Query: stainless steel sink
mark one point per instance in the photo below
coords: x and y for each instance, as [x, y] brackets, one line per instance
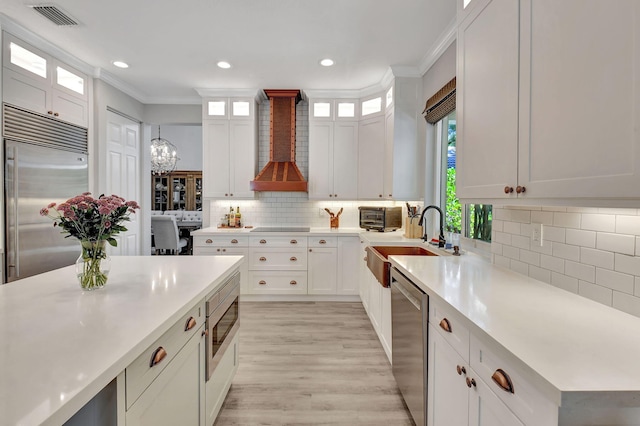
[378, 259]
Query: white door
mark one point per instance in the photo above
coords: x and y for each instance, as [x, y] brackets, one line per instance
[123, 176]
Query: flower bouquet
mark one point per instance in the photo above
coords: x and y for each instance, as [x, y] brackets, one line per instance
[93, 221]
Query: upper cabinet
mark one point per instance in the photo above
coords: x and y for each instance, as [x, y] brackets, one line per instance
[548, 108]
[229, 128]
[333, 149]
[39, 82]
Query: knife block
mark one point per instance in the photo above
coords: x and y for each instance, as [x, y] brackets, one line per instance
[411, 228]
[334, 222]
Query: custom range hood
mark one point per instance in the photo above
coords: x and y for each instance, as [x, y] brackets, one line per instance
[281, 172]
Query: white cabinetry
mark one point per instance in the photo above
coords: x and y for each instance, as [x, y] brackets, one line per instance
[277, 265]
[333, 150]
[371, 158]
[378, 307]
[348, 266]
[219, 383]
[322, 272]
[229, 147]
[225, 245]
[522, 124]
[38, 82]
[165, 385]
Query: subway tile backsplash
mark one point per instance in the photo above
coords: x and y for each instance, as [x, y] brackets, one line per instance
[592, 252]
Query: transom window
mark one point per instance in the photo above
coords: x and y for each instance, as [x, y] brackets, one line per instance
[69, 80]
[216, 108]
[371, 106]
[28, 60]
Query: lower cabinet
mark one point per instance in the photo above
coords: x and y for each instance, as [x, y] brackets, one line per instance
[175, 397]
[223, 245]
[378, 306]
[218, 385]
[322, 272]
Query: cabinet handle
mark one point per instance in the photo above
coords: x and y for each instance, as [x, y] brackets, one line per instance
[157, 356]
[50, 112]
[390, 195]
[230, 195]
[365, 259]
[335, 195]
[293, 282]
[508, 189]
[218, 250]
[293, 242]
[293, 258]
[520, 189]
[380, 195]
[503, 380]
[263, 259]
[263, 241]
[310, 250]
[224, 250]
[445, 325]
[205, 332]
[226, 195]
[209, 241]
[234, 241]
[262, 282]
[471, 382]
[55, 114]
[323, 242]
[191, 322]
[461, 370]
[330, 195]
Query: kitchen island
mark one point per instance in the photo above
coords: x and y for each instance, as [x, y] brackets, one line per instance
[568, 360]
[61, 346]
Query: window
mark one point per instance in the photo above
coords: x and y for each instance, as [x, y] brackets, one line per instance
[69, 80]
[346, 109]
[371, 106]
[389, 97]
[216, 108]
[241, 109]
[28, 60]
[322, 109]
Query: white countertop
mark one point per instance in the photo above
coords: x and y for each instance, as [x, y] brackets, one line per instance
[59, 345]
[312, 231]
[573, 344]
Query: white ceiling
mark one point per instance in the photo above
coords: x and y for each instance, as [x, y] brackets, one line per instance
[172, 47]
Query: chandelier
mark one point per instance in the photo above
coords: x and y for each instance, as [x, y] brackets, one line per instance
[164, 155]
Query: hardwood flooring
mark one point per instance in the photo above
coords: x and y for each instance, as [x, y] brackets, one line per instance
[311, 363]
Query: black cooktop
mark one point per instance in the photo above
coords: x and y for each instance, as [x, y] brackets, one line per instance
[281, 229]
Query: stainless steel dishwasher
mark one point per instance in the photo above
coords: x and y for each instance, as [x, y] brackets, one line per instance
[409, 316]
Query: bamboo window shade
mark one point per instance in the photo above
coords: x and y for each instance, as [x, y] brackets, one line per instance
[441, 104]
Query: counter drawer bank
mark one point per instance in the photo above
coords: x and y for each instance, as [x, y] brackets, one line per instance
[515, 351]
[319, 264]
[99, 345]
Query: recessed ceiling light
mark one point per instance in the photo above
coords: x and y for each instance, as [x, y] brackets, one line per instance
[224, 64]
[120, 64]
[326, 62]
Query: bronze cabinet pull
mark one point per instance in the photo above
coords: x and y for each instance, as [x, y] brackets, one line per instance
[262, 282]
[503, 380]
[508, 189]
[520, 189]
[263, 241]
[310, 250]
[218, 250]
[293, 282]
[191, 322]
[471, 382]
[208, 241]
[293, 258]
[157, 356]
[293, 241]
[263, 259]
[234, 241]
[461, 370]
[323, 242]
[224, 250]
[205, 332]
[445, 325]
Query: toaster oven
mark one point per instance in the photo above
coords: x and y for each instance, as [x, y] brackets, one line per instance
[381, 219]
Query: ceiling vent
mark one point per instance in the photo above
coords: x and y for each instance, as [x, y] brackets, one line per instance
[55, 15]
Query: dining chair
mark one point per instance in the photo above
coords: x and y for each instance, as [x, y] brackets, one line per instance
[165, 234]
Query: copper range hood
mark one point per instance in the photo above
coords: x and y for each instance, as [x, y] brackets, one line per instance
[281, 172]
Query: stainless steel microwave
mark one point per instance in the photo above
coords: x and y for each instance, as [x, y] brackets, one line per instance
[382, 219]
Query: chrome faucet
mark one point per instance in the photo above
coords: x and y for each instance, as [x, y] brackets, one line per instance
[441, 240]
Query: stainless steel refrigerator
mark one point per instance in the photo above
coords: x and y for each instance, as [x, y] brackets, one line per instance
[40, 170]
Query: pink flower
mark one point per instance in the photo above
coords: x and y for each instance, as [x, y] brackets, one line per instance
[51, 205]
[132, 205]
[107, 224]
[44, 212]
[104, 210]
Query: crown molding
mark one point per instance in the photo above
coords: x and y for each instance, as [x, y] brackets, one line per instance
[258, 94]
[447, 37]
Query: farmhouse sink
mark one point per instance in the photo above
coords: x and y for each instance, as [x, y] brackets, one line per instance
[378, 259]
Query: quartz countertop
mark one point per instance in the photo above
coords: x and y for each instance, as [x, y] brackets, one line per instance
[312, 231]
[60, 345]
[574, 345]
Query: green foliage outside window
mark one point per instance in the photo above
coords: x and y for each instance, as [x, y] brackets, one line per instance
[453, 212]
[480, 216]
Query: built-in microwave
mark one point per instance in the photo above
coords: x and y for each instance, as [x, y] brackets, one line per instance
[382, 219]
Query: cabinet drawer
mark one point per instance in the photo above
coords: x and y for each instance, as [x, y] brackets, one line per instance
[278, 282]
[221, 240]
[278, 259]
[141, 372]
[258, 241]
[323, 242]
[526, 401]
[446, 318]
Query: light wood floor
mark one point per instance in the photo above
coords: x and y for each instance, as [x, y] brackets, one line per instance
[311, 363]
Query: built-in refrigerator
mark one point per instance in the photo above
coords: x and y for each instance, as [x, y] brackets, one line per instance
[45, 161]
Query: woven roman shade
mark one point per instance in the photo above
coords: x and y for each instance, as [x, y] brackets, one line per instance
[441, 104]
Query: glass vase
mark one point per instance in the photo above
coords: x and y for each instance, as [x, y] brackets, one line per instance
[93, 265]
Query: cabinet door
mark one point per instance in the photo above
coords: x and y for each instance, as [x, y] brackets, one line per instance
[320, 164]
[487, 100]
[176, 396]
[32, 93]
[371, 158]
[385, 321]
[345, 160]
[216, 165]
[321, 271]
[242, 157]
[375, 301]
[485, 408]
[580, 98]
[348, 265]
[364, 276]
[69, 108]
[448, 394]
